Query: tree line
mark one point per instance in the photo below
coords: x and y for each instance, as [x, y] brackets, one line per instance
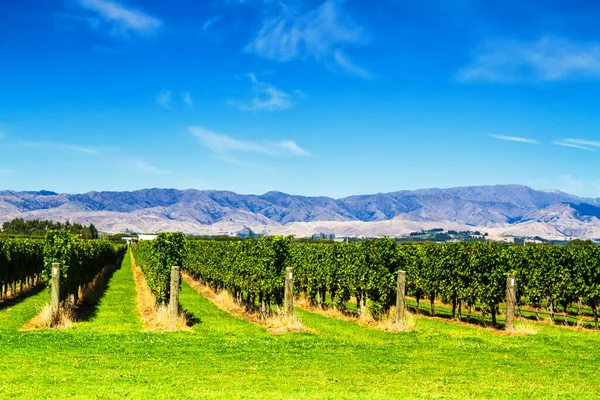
[38, 228]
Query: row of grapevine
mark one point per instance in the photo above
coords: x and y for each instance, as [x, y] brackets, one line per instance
[81, 260]
[558, 276]
[460, 274]
[251, 267]
[21, 262]
[156, 257]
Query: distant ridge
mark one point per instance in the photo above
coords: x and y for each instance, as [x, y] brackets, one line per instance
[499, 210]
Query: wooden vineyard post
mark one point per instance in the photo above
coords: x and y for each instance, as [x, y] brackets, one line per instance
[54, 292]
[400, 299]
[288, 306]
[174, 297]
[511, 300]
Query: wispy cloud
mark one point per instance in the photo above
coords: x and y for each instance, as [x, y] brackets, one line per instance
[346, 63]
[210, 22]
[167, 98]
[80, 149]
[320, 33]
[226, 148]
[515, 139]
[581, 144]
[59, 146]
[292, 147]
[266, 97]
[550, 58]
[123, 20]
[575, 146]
[187, 98]
[148, 169]
[163, 98]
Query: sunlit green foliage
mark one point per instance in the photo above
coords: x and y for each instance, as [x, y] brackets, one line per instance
[81, 260]
[156, 257]
[20, 260]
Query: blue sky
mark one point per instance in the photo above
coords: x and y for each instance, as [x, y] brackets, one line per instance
[316, 98]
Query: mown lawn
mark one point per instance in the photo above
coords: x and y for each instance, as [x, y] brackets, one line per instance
[107, 356]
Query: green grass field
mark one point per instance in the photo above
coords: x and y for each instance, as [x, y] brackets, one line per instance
[106, 355]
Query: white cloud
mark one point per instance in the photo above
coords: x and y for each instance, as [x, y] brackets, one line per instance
[292, 147]
[122, 19]
[348, 65]
[166, 98]
[550, 58]
[515, 139]
[266, 97]
[210, 22]
[187, 99]
[221, 143]
[80, 149]
[573, 145]
[581, 144]
[163, 98]
[320, 34]
[225, 147]
[146, 168]
[59, 146]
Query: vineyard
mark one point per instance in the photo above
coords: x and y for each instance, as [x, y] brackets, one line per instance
[110, 353]
[462, 275]
[77, 263]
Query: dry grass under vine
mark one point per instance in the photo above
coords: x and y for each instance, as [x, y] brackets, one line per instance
[386, 323]
[224, 300]
[67, 310]
[154, 316]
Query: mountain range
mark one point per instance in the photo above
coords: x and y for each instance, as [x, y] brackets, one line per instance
[500, 210]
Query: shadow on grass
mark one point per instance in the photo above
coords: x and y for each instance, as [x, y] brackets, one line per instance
[476, 318]
[6, 303]
[442, 312]
[486, 320]
[88, 308]
[191, 318]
